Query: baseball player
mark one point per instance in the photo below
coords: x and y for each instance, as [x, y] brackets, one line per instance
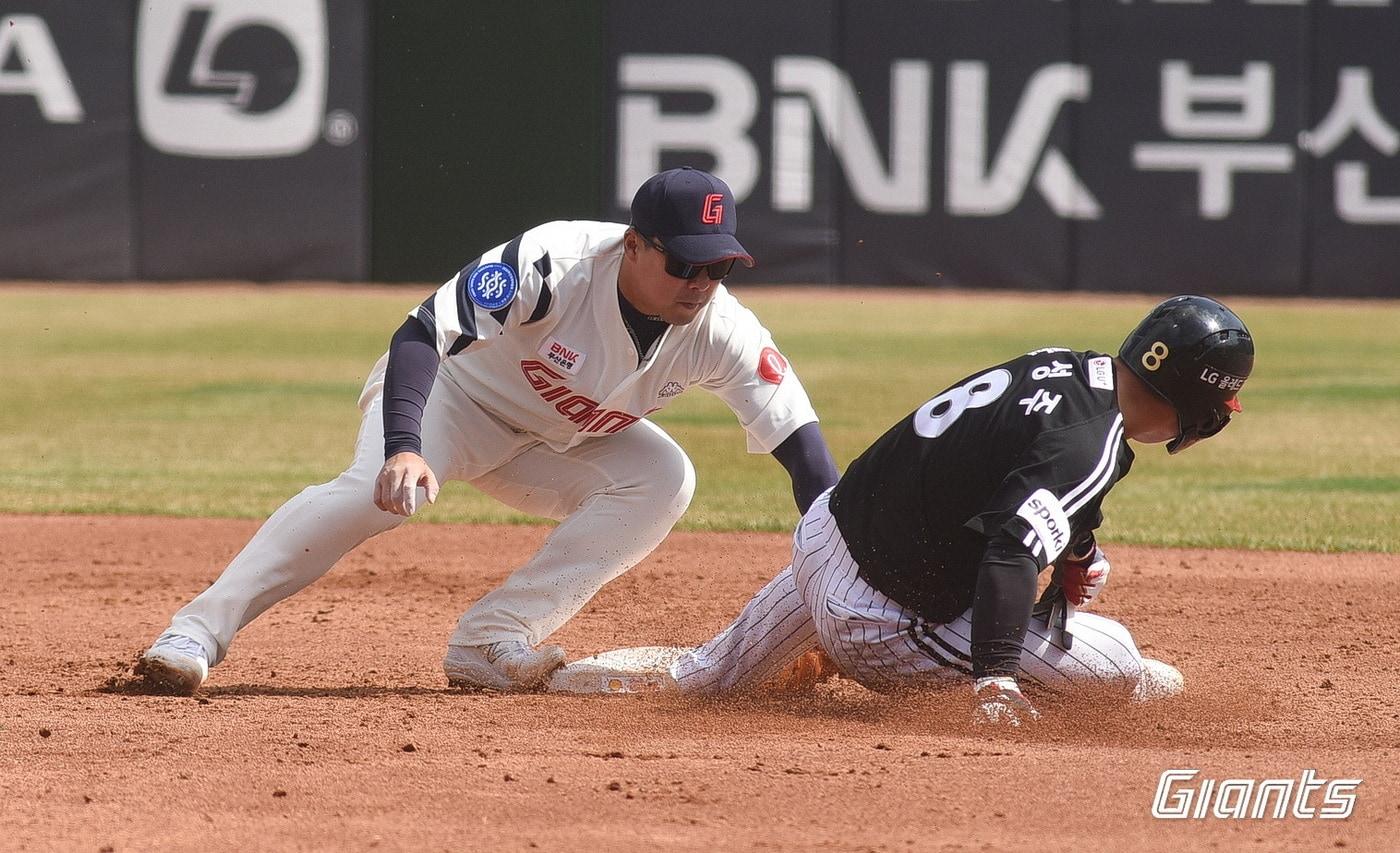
[530, 374]
[921, 564]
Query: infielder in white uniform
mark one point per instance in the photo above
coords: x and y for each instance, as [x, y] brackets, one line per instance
[530, 374]
[920, 566]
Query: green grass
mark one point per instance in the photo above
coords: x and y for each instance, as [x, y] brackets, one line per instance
[224, 402]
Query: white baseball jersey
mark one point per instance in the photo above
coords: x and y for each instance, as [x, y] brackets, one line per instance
[533, 332]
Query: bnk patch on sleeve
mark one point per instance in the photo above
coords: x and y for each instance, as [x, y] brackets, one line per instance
[1043, 512]
[492, 286]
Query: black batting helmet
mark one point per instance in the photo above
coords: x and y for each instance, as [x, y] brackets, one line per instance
[1196, 354]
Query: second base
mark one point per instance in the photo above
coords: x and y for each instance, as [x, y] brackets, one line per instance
[641, 669]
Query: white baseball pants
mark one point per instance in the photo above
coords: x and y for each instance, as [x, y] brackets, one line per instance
[821, 600]
[616, 497]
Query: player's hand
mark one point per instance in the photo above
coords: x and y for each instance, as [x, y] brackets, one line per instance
[806, 672]
[396, 487]
[1000, 702]
[1083, 579]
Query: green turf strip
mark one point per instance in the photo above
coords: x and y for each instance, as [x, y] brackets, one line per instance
[224, 402]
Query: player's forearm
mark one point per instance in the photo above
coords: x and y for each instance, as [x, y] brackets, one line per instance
[1002, 608]
[408, 380]
[808, 461]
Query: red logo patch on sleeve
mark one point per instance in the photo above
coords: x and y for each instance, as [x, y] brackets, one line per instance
[772, 366]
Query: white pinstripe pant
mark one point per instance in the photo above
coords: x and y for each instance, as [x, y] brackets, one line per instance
[820, 599]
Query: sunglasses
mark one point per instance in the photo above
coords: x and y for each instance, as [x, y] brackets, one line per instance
[678, 268]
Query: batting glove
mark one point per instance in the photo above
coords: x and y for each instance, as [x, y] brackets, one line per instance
[1000, 702]
[1082, 578]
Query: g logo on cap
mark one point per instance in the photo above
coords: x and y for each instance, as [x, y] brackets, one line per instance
[713, 213]
[692, 214]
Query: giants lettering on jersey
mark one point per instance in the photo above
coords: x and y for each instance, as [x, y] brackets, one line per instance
[576, 407]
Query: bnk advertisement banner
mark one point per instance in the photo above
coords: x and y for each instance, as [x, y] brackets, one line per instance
[1156, 146]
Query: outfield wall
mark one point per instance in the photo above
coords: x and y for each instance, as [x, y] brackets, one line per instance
[1227, 146]
[175, 139]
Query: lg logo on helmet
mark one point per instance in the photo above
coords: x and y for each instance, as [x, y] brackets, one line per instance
[1223, 381]
[234, 79]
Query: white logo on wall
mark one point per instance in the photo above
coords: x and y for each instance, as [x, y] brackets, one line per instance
[810, 93]
[1217, 126]
[238, 78]
[30, 64]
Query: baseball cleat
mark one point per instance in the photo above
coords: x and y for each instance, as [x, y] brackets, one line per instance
[509, 666]
[174, 664]
[1158, 681]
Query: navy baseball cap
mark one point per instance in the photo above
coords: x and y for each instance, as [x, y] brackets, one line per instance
[692, 213]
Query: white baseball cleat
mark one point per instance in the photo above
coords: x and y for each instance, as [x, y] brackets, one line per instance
[1158, 681]
[509, 666]
[174, 664]
[641, 669]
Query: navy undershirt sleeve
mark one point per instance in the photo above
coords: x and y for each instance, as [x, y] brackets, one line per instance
[408, 379]
[1001, 609]
[808, 461]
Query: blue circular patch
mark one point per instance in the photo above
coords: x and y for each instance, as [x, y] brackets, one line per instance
[492, 285]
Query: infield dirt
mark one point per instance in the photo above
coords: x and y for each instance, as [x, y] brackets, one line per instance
[330, 726]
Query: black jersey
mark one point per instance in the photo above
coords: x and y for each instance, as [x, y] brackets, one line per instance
[1027, 448]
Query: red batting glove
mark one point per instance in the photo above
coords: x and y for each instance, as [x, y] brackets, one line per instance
[1082, 579]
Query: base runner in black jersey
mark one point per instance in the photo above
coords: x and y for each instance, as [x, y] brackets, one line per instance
[920, 565]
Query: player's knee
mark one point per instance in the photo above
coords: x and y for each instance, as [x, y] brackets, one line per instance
[670, 485]
[1115, 658]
